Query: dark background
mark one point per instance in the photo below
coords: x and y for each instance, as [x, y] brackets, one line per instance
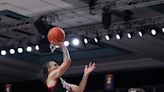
[122, 80]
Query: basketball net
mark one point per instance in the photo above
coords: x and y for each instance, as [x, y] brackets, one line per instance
[52, 47]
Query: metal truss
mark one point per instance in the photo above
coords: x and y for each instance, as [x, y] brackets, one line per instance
[131, 25]
[114, 5]
[130, 4]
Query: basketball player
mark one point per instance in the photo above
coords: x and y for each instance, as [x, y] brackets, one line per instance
[53, 72]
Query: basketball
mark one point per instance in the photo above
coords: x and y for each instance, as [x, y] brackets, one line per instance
[56, 34]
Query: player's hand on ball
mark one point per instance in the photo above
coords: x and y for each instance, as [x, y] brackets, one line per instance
[60, 44]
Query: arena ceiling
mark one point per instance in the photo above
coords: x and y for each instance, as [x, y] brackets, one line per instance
[17, 20]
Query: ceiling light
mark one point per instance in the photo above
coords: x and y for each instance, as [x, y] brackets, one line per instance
[140, 33]
[20, 50]
[66, 43]
[118, 36]
[162, 30]
[12, 51]
[107, 37]
[85, 40]
[153, 32]
[29, 49]
[96, 40]
[129, 35]
[75, 41]
[3, 52]
[37, 47]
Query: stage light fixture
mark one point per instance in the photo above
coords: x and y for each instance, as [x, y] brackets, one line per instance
[29, 49]
[153, 32]
[118, 36]
[85, 40]
[12, 51]
[37, 47]
[66, 43]
[75, 42]
[107, 37]
[162, 30]
[20, 50]
[129, 35]
[96, 40]
[3, 52]
[140, 33]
